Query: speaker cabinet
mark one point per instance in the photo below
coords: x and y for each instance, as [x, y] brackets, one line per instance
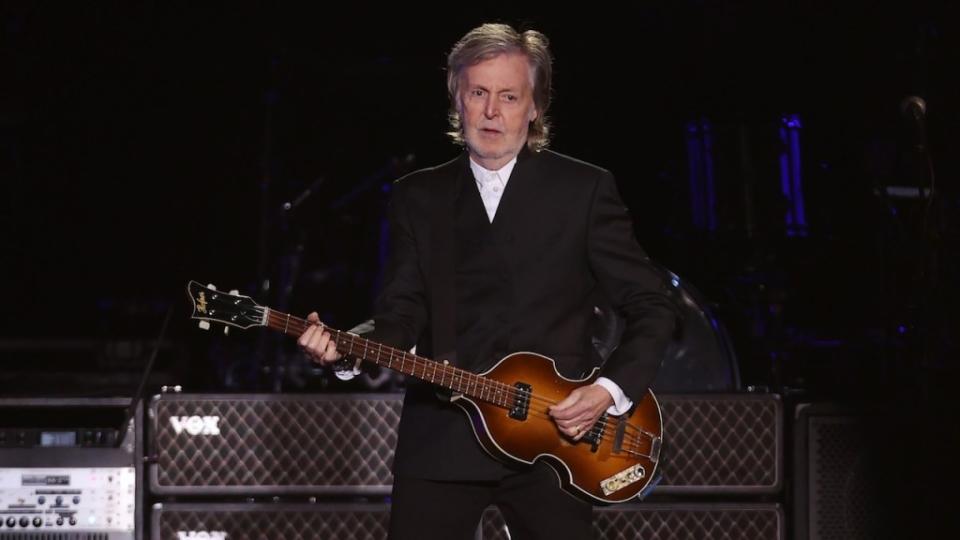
[240, 445]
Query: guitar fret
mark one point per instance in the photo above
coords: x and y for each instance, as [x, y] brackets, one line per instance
[286, 324]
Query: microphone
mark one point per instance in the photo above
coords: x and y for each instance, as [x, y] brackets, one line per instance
[914, 109]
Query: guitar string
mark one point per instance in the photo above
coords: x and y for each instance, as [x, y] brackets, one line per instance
[490, 385]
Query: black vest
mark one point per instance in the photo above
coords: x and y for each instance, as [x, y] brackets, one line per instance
[484, 300]
[483, 285]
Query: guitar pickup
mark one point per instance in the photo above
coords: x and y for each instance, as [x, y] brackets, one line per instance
[595, 435]
[521, 401]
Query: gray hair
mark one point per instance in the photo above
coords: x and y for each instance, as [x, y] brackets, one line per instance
[489, 41]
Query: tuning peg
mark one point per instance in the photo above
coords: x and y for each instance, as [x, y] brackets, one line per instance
[234, 292]
[211, 286]
[226, 330]
[205, 325]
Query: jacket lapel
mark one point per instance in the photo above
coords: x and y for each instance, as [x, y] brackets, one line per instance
[519, 197]
[443, 260]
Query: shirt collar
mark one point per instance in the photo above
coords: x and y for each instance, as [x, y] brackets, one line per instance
[483, 175]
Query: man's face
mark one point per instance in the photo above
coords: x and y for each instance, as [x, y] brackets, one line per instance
[496, 108]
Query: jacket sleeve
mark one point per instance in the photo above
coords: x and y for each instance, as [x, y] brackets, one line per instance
[400, 313]
[636, 290]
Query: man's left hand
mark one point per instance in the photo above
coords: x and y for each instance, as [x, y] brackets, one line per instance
[577, 414]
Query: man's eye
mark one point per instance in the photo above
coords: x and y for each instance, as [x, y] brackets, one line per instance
[477, 93]
[510, 97]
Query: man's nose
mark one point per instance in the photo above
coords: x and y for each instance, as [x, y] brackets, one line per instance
[492, 108]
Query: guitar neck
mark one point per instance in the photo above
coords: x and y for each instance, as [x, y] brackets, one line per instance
[443, 375]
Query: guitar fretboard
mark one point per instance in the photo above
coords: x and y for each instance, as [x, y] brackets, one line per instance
[444, 375]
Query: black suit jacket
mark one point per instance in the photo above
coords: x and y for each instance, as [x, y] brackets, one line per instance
[568, 242]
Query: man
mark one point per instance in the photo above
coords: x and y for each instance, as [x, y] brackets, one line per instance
[506, 248]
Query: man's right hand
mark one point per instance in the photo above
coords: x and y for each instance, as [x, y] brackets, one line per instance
[316, 342]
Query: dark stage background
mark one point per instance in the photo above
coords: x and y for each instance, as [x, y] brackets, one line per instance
[143, 145]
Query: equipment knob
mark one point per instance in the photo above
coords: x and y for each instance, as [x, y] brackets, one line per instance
[60, 520]
[37, 522]
[41, 500]
[73, 520]
[58, 500]
[11, 522]
[76, 499]
[24, 522]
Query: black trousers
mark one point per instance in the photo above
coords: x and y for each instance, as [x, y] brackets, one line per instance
[531, 502]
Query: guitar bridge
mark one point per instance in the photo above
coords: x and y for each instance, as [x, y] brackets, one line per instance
[521, 403]
[618, 435]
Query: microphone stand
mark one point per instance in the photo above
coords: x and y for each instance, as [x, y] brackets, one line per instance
[289, 269]
[926, 272]
[135, 399]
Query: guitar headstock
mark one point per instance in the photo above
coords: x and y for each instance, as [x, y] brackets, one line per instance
[211, 305]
